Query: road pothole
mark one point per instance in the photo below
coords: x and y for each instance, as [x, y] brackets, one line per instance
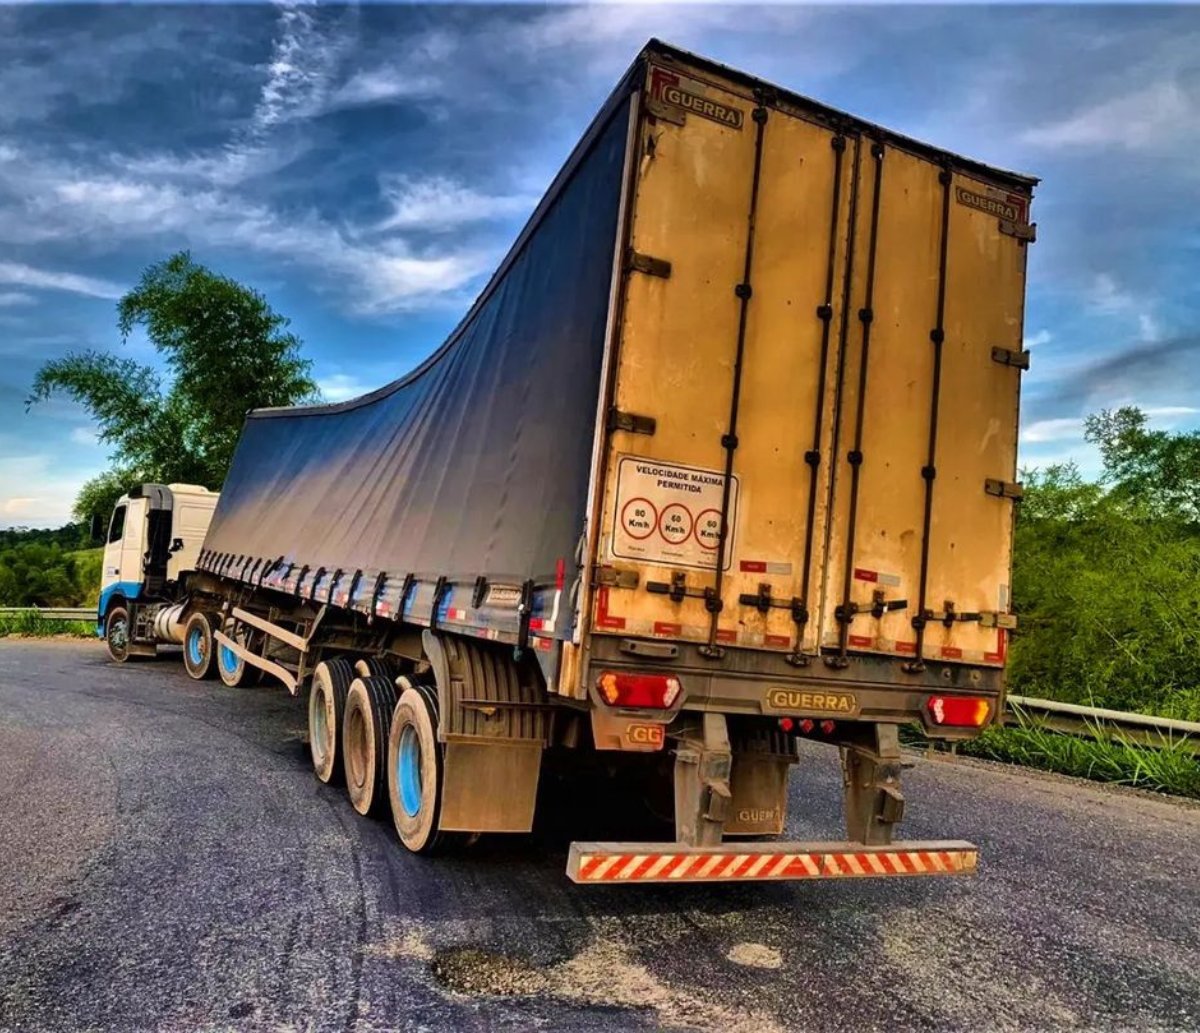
[755, 955]
[469, 970]
[603, 974]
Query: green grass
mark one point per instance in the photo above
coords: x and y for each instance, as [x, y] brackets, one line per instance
[33, 625]
[1107, 755]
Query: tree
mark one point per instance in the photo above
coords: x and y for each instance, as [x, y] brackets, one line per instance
[225, 351]
[1156, 469]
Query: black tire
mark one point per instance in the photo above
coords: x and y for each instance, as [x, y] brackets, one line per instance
[365, 728]
[373, 667]
[414, 733]
[199, 657]
[116, 634]
[326, 705]
[233, 669]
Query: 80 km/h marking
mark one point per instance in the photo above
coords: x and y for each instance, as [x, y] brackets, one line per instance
[639, 518]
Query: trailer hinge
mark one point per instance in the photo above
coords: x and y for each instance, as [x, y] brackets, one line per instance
[1026, 232]
[677, 589]
[649, 265]
[612, 577]
[632, 422]
[1019, 359]
[1003, 489]
[996, 619]
[880, 604]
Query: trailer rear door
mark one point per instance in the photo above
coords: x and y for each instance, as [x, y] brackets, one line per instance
[927, 427]
[738, 251]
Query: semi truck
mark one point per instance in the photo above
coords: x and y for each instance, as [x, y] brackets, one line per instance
[722, 459]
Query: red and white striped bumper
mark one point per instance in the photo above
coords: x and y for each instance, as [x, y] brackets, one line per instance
[729, 862]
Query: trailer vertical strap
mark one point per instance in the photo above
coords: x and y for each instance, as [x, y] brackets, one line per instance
[929, 471]
[813, 456]
[743, 291]
[845, 612]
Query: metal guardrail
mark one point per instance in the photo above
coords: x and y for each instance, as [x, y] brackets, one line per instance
[1074, 719]
[52, 613]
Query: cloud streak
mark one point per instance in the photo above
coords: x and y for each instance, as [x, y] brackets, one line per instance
[20, 275]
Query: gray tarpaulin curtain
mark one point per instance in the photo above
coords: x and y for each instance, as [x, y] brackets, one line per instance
[477, 462]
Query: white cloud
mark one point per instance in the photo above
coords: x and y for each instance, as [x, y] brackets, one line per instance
[439, 203]
[379, 85]
[1145, 118]
[1038, 339]
[381, 269]
[10, 299]
[1166, 417]
[36, 490]
[1169, 416]
[1053, 430]
[1148, 328]
[84, 436]
[1104, 296]
[337, 387]
[303, 62]
[49, 279]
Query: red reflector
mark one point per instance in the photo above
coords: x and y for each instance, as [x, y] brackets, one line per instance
[806, 725]
[786, 723]
[655, 691]
[959, 711]
[827, 727]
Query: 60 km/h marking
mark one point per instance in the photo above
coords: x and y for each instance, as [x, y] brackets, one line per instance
[708, 529]
[640, 518]
[675, 524]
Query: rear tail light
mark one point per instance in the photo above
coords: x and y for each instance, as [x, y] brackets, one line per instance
[958, 711]
[652, 691]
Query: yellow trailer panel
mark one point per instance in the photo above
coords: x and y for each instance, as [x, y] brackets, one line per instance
[813, 406]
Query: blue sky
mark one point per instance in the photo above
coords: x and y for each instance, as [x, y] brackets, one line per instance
[367, 167]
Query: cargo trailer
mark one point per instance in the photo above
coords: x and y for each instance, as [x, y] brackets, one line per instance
[722, 458]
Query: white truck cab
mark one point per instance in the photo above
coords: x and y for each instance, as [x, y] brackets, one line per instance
[152, 546]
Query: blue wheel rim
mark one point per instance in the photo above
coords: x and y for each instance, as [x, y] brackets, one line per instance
[193, 647]
[408, 771]
[228, 659]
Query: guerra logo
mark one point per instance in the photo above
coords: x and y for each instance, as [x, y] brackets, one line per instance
[669, 88]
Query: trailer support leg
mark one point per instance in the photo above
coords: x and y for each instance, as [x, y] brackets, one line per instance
[703, 763]
[871, 781]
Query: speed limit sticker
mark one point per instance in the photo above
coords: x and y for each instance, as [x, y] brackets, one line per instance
[670, 514]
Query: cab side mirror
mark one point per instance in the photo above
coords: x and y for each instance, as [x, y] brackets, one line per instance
[96, 530]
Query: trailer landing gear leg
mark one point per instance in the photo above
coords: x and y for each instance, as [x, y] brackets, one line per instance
[871, 780]
[702, 794]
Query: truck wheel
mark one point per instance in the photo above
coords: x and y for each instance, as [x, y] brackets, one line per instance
[326, 705]
[373, 667]
[234, 671]
[414, 770]
[198, 646]
[116, 634]
[365, 728]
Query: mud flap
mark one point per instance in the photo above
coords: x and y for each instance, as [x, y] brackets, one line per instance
[703, 764]
[871, 780]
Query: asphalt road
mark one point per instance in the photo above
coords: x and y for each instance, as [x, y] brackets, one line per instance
[168, 861]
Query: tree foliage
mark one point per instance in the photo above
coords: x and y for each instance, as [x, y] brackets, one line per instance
[1106, 580]
[224, 351]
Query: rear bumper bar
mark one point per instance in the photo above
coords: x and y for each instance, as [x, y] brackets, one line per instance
[765, 862]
